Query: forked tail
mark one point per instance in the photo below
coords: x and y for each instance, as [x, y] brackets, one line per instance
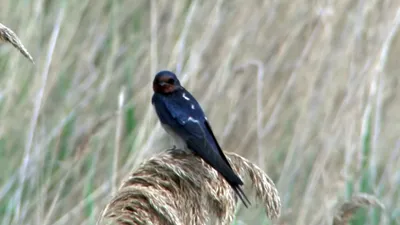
[241, 195]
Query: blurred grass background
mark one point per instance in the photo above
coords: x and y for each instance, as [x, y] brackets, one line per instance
[308, 90]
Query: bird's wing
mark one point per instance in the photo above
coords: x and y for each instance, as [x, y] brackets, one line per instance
[201, 146]
[162, 111]
[197, 133]
[212, 136]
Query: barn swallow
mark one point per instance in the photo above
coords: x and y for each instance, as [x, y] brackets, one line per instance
[182, 117]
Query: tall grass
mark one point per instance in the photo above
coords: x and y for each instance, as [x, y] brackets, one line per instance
[306, 90]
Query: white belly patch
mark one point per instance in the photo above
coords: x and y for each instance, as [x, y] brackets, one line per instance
[177, 140]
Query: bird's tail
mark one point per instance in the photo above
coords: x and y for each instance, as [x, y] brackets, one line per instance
[242, 196]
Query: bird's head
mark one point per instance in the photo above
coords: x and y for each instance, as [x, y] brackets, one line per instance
[166, 82]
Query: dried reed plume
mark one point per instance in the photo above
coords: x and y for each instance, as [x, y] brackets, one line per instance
[176, 187]
[348, 208]
[7, 35]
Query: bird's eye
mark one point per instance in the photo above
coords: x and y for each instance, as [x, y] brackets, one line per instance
[170, 81]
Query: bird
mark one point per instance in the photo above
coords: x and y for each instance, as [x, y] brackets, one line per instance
[182, 117]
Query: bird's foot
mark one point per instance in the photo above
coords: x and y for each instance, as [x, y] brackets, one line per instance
[174, 147]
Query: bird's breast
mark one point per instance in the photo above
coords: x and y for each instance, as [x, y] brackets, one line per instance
[179, 142]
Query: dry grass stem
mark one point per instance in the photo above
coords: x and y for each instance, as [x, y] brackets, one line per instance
[118, 137]
[82, 142]
[285, 84]
[176, 187]
[347, 209]
[8, 36]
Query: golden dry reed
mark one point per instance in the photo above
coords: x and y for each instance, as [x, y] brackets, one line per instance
[176, 187]
[8, 36]
[347, 209]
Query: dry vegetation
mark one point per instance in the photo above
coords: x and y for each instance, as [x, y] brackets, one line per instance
[176, 187]
[8, 36]
[349, 208]
[307, 90]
